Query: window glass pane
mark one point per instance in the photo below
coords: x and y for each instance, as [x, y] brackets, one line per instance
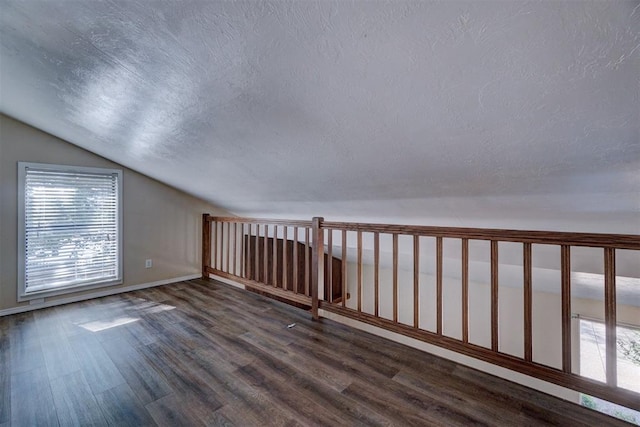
[71, 227]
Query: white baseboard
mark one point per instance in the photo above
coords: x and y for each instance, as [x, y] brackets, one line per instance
[227, 281]
[98, 294]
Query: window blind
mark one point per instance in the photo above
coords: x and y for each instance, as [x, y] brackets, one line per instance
[71, 228]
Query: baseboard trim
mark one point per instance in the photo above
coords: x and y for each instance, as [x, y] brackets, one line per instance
[227, 281]
[98, 294]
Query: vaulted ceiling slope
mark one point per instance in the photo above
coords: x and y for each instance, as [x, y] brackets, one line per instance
[507, 114]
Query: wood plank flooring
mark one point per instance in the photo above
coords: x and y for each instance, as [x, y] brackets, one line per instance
[205, 353]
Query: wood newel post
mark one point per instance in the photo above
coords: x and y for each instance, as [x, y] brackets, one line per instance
[206, 245]
[317, 263]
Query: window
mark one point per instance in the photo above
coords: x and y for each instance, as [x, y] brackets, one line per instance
[70, 228]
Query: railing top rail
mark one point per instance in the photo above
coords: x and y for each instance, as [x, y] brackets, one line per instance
[284, 222]
[600, 240]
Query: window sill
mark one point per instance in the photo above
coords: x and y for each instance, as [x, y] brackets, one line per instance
[51, 292]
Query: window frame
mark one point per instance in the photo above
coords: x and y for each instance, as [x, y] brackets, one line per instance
[23, 295]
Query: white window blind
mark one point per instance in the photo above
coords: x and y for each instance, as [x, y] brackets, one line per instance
[71, 233]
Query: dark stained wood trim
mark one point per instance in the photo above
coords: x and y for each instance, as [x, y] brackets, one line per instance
[235, 249]
[494, 295]
[307, 267]
[295, 260]
[206, 244]
[329, 280]
[572, 381]
[291, 223]
[287, 295]
[229, 247]
[416, 281]
[274, 259]
[395, 277]
[439, 285]
[256, 273]
[465, 290]
[214, 244]
[222, 241]
[610, 316]
[620, 241]
[565, 272]
[528, 302]
[376, 272]
[285, 270]
[317, 263]
[265, 255]
[344, 268]
[359, 271]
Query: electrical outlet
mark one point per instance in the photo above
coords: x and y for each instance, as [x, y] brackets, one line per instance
[148, 263]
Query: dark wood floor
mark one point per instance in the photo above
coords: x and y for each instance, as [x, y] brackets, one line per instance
[204, 353]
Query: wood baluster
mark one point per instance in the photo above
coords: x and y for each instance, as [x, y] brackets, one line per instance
[295, 283]
[206, 245]
[307, 277]
[317, 264]
[416, 281]
[328, 293]
[395, 278]
[274, 257]
[376, 272]
[439, 285]
[528, 302]
[565, 271]
[228, 270]
[265, 256]
[285, 271]
[344, 268]
[465, 290]
[494, 295]
[359, 270]
[610, 319]
[257, 254]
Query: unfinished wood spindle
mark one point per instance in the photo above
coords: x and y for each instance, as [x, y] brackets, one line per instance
[295, 260]
[439, 285]
[359, 270]
[416, 281]
[610, 316]
[344, 268]
[329, 280]
[285, 284]
[274, 257]
[395, 277]
[465, 290]
[376, 272]
[494, 295]
[565, 272]
[528, 302]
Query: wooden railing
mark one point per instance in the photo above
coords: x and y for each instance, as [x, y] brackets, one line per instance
[225, 254]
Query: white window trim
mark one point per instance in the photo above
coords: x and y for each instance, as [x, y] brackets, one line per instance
[23, 295]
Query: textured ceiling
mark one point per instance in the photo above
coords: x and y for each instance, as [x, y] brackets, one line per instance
[506, 114]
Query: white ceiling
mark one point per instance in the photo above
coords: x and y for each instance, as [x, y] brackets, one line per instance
[498, 114]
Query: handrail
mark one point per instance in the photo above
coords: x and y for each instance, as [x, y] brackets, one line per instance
[618, 241]
[232, 236]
